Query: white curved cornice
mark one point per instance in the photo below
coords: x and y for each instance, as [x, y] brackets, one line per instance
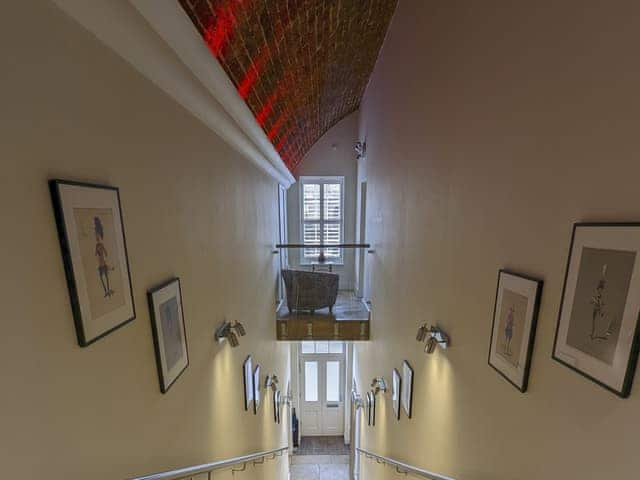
[157, 38]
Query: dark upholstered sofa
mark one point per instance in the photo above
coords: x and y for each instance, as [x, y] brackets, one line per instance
[310, 291]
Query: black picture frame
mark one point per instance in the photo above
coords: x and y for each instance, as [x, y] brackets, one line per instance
[77, 288]
[257, 390]
[247, 382]
[372, 418]
[518, 376]
[632, 358]
[406, 367]
[396, 392]
[166, 379]
[276, 406]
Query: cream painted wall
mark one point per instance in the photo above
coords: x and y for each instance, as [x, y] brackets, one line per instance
[491, 128]
[192, 207]
[325, 160]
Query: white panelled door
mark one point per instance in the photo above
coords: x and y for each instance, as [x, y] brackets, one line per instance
[322, 371]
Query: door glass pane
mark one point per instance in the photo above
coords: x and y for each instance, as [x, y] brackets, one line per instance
[336, 347]
[333, 381]
[310, 381]
[322, 347]
[308, 347]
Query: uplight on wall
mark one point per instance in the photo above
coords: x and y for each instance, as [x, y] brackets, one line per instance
[230, 331]
[378, 384]
[434, 337]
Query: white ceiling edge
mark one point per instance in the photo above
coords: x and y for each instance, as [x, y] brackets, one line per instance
[120, 26]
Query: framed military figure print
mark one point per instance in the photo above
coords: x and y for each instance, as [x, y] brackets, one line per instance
[94, 253]
[514, 327]
[597, 331]
[169, 334]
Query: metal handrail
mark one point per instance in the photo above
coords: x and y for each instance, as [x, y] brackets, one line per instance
[187, 472]
[401, 467]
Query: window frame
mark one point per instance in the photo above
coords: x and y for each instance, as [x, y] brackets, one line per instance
[321, 180]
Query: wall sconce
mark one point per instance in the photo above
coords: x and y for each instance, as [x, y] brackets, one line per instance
[272, 382]
[361, 149]
[434, 337]
[378, 384]
[230, 331]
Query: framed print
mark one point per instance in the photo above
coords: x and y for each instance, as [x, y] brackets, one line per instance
[94, 253]
[247, 377]
[513, 330]
[396, 383]
[597, 331]
[368, 405]
[169, 335]
[256, 389]
[407, 388]
[276, 406]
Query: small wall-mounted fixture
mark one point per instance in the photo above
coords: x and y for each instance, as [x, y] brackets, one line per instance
[272, 382]
[361, 149]
[230, 331]
[434, 337]
[378, 384]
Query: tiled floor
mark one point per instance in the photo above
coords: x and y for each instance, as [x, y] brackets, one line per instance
[322, 446]
[320, 467]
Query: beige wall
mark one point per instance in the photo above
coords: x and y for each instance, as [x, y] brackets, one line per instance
[491, 128]
[192, 207]
[332, 155]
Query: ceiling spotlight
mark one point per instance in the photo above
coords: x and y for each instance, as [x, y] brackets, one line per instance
[225, 331]
[378, 384]
[434, 337]
[239, 328]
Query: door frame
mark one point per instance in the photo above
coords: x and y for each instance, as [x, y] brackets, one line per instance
[322, 359]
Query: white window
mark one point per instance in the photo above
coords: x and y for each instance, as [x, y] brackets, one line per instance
[322, 346]
[322, 218]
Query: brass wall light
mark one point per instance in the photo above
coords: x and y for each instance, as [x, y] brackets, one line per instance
[272, 382]
[378, 384]
[231, 332]
[434, 336]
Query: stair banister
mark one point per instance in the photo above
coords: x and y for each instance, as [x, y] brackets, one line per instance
[208, 468]
[401, 467]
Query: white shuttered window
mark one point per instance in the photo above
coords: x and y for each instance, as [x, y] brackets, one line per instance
[322, 206]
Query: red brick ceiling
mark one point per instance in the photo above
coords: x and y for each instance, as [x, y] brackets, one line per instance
[301, 65]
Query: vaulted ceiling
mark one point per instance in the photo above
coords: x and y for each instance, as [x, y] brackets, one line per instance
[300, 65]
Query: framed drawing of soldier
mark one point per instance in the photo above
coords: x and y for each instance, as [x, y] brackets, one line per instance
[513, 329]
[247, 381]
[169, 335]
[597, 330]
[94, 253]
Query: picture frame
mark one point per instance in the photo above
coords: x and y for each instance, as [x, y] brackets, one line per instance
[256, 389]
[371, 408]
[276, 406]
[368, 407]
[597, 329]
[407, 388]
[513, 329]
[92, 241]
[247, 377]
[396, 385]
[169, 332]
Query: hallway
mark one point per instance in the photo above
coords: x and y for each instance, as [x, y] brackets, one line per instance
[320, 467]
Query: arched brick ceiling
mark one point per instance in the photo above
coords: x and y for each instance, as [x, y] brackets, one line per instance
[301, 65]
